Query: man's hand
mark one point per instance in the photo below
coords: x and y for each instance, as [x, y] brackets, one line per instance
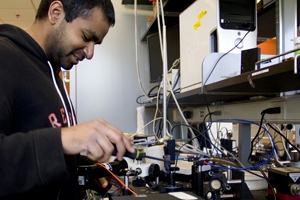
[111, 181]
[96, 138]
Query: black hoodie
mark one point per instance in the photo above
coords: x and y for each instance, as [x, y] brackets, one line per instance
[32, 162]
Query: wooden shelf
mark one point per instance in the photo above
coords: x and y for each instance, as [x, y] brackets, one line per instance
[274, 79]
[269, 83]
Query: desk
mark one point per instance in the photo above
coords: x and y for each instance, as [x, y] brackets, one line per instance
[156, 196]
[257, 195]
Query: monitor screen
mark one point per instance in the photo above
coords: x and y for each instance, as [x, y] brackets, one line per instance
[155, 58]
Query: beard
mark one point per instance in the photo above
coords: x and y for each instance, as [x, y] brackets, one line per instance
[56, 47]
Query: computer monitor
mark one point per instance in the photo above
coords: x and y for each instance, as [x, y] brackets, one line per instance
[155, 58]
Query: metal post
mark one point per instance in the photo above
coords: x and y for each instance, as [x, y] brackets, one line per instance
[286, 25]
[244, 143]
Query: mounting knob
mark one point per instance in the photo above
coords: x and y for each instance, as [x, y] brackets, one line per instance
[154, 170]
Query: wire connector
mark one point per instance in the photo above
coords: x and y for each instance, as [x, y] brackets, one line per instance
[275, 110]
[217, 112]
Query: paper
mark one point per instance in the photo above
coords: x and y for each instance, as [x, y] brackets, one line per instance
[182, 195]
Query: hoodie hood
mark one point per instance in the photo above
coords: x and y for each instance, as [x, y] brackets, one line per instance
[24, 41]
[31, 77]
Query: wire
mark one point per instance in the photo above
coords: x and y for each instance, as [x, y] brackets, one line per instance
[187, 148]
[157, 111]
[159, 28]
[282, 142]
[113, 175]
[199, 133]
[175, 63]
[136, 51]
[251, 122]
[268, 181]
[222, 148]
[147, 125]
[257, 135]
[195, 142]
[203, 85]
[225, 55]
[107, 190]
[284, 137]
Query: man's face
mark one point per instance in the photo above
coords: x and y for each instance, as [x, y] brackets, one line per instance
[72, 42]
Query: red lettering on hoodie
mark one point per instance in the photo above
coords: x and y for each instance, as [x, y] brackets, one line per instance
[54, 121]
[62, 111]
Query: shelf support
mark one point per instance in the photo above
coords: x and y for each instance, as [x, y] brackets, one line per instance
[244, 143]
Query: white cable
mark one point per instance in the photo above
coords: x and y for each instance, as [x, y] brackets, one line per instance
[162, 13]
[165, 71]
[195, 142]
[283, 143]
[136, 52]
[159, 29]
[175, 63]
[163, 46]
[147, 125]
[187, 148]
[165, 77]
[165, 80]
[59, 93]
[156, 110]
[273, 144]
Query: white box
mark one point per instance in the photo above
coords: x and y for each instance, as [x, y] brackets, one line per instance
[197, 24]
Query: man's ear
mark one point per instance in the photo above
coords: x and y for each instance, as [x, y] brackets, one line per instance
[55, 12]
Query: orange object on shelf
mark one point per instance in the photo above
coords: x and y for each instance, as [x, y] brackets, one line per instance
[268, 47]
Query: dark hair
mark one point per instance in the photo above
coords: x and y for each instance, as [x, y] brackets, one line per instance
[78, 8]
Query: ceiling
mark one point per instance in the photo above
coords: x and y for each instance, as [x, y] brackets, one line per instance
[22, 13]
[18, 12]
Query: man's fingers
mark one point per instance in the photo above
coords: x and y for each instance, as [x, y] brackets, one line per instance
[97, 138]
[128, 145]
[103, 182]
[122, 144]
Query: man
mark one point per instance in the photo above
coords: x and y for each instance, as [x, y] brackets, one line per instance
[40, 143]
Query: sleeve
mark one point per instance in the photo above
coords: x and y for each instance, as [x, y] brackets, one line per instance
[28, 158]
[23, 162]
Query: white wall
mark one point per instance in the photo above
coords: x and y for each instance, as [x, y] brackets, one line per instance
[107, 86]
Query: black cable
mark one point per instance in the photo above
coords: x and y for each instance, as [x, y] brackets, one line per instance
[153, 158]
[288, 141]
[199, 133]
[152, 95]
[223, 56]
[267, 179]
[203, 85]
[141, 103]
[259, 138]
[209, 113]
[257, 134]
